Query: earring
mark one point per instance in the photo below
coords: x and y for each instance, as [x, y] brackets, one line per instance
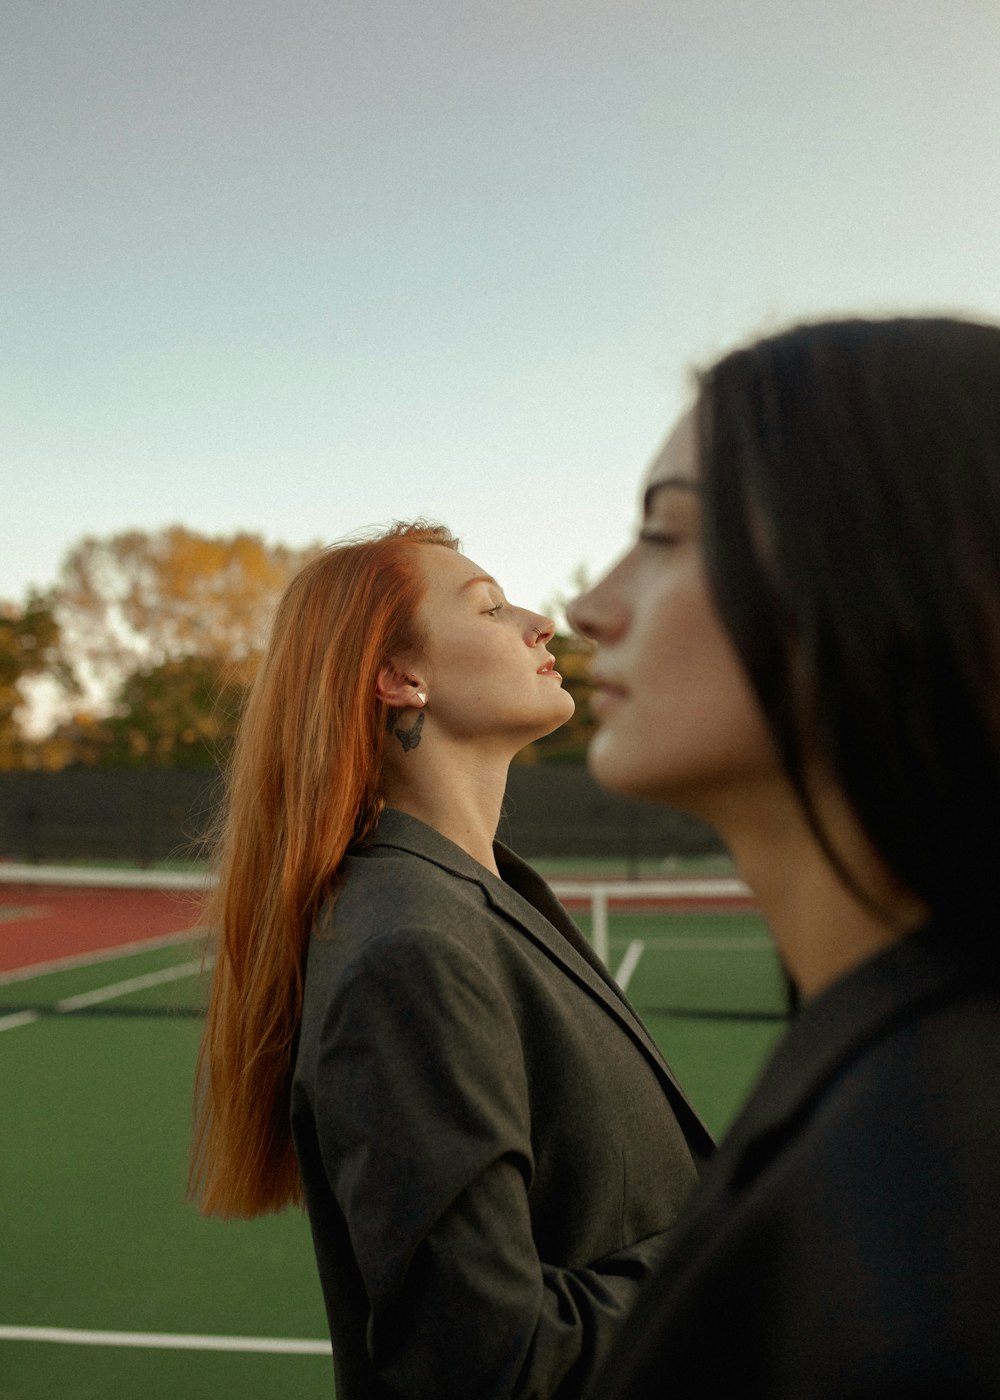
[422, 696]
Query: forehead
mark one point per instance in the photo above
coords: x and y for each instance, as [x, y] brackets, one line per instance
[447, 572]
[677, 459]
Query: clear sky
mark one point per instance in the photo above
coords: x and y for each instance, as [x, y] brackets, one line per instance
[305, 266]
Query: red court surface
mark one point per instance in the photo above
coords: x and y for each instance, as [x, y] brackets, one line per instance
[41, 923]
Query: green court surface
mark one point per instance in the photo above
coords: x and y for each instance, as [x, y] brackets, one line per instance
[96, 1233]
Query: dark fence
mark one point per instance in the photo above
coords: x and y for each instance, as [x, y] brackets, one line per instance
[158, 814]
[106, 814]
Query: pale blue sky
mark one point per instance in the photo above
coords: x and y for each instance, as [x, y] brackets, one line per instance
[303, 267]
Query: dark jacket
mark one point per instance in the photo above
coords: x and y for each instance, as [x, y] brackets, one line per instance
[492, 1147]
[845, 1241]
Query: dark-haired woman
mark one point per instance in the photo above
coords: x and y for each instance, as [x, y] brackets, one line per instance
[803, 648]
[405, 1030]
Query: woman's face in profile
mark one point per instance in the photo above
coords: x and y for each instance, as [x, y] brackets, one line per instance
[487, 671]
[678, 721]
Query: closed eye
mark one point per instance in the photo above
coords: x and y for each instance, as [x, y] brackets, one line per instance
[492, 612]
[658, 537]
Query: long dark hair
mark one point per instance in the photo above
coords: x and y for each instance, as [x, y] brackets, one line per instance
[851, 474]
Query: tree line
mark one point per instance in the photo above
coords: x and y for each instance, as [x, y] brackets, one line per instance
[141, 654]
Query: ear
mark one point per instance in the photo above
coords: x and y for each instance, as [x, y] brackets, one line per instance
[400, 687]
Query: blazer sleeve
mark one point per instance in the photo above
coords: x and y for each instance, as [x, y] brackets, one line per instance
[422, 1110]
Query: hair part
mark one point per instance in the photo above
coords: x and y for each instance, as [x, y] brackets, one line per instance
[851, 476]
[304, 784]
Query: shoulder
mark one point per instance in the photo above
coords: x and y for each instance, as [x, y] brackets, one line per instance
[897, 1059]
[871, 1203]
[401, 927]
[400, 974]
[391, 890]
[879, 1126]
[885, 1177]
[930, 1076]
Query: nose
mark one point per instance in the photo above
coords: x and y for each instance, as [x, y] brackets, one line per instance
[539, 629]
[579, 615]
[593, 615]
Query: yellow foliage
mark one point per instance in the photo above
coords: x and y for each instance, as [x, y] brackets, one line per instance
[139, 599]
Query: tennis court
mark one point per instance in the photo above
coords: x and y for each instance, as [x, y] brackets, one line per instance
[110, 1282]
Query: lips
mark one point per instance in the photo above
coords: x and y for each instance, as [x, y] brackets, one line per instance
[549, 668]
[605, 696]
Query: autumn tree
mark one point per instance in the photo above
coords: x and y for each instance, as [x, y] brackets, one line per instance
[182, 713]
[136, 600]
[165, 631]
[29, 647]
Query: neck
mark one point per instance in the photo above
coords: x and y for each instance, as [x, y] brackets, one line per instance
[821, 927]
[460, 795]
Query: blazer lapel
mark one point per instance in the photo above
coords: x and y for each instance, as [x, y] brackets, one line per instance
[524, 899]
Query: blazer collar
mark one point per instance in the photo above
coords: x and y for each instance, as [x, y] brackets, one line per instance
[520, 894]
[524, 898]
[827, 1034]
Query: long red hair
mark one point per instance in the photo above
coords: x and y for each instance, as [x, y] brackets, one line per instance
[304, 783]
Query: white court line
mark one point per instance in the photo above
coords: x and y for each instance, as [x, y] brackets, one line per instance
[725, 887]
[19, 1018]
[719, 944]
[629, 963]
[123, 950]
[86, 877]
[131, 984]
[109, 992]
[17, 913]
[172, 1341]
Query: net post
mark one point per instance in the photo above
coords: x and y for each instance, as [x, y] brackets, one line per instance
[599, 922]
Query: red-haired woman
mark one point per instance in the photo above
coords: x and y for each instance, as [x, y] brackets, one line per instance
[405, 1029]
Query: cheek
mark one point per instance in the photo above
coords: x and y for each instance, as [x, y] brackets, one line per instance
[670, 641]
[478, 665]
[693, 665]
[690, 717]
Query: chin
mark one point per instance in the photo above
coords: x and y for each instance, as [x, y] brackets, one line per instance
[622, 772]
[560, 715]
[563, 708]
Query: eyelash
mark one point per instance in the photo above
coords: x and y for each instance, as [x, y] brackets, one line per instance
[492, 612]
[657, 537]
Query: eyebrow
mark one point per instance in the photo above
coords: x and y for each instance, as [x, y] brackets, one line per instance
[680, 483]
[478, 578]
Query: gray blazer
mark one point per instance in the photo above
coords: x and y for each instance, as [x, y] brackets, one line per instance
[492, 1146]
